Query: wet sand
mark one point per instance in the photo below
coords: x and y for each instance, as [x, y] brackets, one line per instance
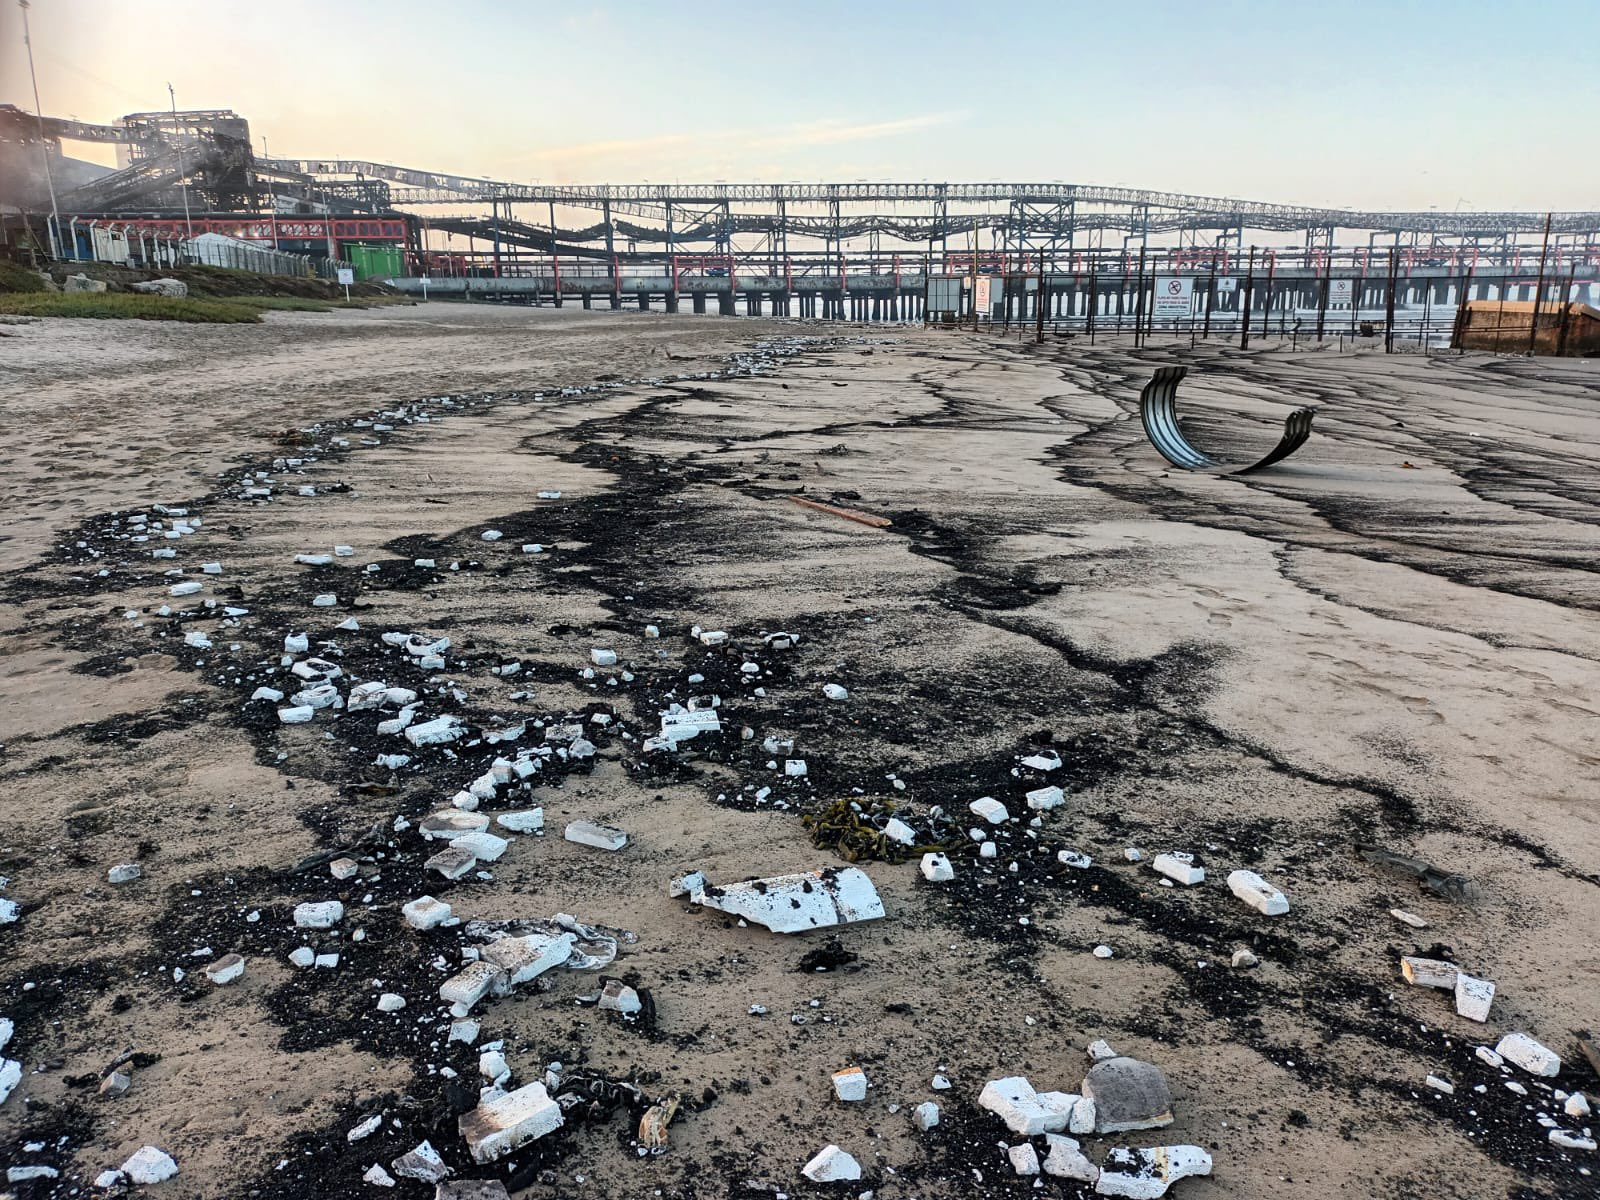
[1391, 637]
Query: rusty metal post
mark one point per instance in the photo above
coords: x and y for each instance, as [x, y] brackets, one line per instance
[1565, 300]
[1458, 331]
[1211, 297]
[1538, 288]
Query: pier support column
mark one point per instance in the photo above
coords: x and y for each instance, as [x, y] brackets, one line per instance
[700, 302]
[644, 301]
[588, 300]
[725, 303]
[672, 302]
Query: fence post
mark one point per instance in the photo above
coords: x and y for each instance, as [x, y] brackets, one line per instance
[1249, 293]
[1388, 304]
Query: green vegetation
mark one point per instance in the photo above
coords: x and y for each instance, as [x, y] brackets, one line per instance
[15, 279]
[124, 305]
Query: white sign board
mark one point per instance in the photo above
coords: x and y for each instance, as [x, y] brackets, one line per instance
[1341, 291]
[1174, 296]
[980, 297]
[1227, 283]
[347, 276]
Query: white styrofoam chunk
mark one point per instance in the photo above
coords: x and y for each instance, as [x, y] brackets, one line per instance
[795, 903]
[1258, 893]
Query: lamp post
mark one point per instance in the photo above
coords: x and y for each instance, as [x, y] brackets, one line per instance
[44, 147]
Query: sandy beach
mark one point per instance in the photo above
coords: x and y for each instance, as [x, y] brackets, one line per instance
[1389, 638]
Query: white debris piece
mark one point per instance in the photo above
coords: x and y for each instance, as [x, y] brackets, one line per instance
[1147, 1174]
[682, 724]
[502, 1123]
[603, 658]
[618, 997]
[323, 914]
[990, 809]
[712, 637]
[124, 873]
[925, 1116]
[1440, 1085]
[267, 693]
[1065, 1159]
[1024, 1111]
[491, 535]
[197, 640]
[149, 1165]
[378, 1177]
[364, 1128]
[226, 969]
[313, 560]
[324, 600]
[31, 1171]
[450, 823]
[1179, 868]
[1258, 893]
[794, 767]
[391, 1002]
[1405, 918]
[1569, 1140]
[795, 903]
[422, 1163]
[1045, 798]
[435, 732]
[601, 837]
[1474, 997]
[1528, 1054]
[425, 912]
[185, 589]
[472, 983]
[528, 820]
[528, 957]
[298, 715]
[7, 1029]
[1244, 958]
[834, 691]
[485, 847]
[850, 1084]
[830, 1165]
[1103, 951]
[1024, 1158]
[1577, 1104]
[452, 862]
[344, 868]
[302, 956]
[897, 830]
[1429, 972]
[1074, 858]
[936, 868]
[686, 885]
[10, 1076]
[1049, 761]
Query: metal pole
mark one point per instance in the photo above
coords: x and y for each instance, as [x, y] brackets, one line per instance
[1138, 304]
[1538, 288]
[1388, 303]
[1249, 294]
[1266, 307]
[1565, 302]
[1211, 297]
[44, 146]
[1457, 333]
[183, 175]
[1038, 305]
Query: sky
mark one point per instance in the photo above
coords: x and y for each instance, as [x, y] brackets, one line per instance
[1371, 104]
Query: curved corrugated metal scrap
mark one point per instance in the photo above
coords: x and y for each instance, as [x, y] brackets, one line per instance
[1158, 409]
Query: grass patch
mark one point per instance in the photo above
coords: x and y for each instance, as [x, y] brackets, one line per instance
[125, 306]
[15, 279]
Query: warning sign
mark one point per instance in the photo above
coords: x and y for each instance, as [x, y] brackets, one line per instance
[980, 299]
[1340, 292]
[1174, 296]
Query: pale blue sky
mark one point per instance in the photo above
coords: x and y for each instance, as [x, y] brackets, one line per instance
[1360, 103]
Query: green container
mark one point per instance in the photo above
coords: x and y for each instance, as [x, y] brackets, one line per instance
[373, 259]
